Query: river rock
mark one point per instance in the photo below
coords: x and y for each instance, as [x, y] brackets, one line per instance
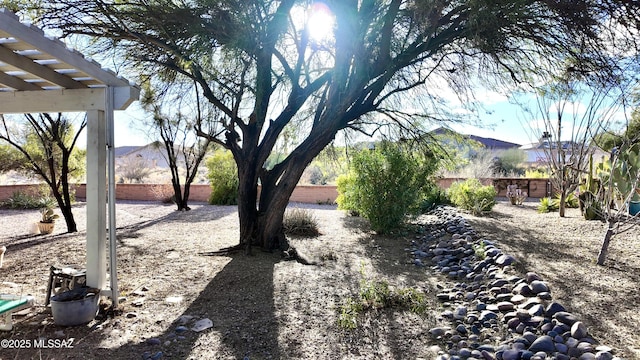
[579, 330]
[543, 343]
[554, 308]
[538, 286]
[504, 260]
[531, 276]
[565, 318]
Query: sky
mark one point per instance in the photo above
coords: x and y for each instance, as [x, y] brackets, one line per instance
[499, 120]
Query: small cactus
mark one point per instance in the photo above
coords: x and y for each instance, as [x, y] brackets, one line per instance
[48, 216]
[625, 173]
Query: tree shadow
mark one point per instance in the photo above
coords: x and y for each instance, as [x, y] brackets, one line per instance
[239, 301]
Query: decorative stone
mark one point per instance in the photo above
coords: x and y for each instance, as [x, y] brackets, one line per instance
[554, 308]
[531, 276]
[545, 295]
[505, 306]
[536, 310]
[505, 260]
[587, 356]
[579, 330]
[604, 355]
[154, 341]
[438, 331]
[487, 315]
[460, 313]
[562, 348]
[538, 286]
[566, 317]
[543, 343]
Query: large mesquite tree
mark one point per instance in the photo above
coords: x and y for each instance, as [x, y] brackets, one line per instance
[261, 65]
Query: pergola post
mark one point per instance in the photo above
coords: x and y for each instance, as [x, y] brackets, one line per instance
[31, 82]
[96, 199]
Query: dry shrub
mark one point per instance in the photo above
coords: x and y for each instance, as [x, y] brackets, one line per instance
[300, 222]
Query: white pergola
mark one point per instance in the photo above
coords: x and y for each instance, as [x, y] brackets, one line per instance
[39, 74]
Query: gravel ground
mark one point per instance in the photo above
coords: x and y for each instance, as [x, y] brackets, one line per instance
[264, 308]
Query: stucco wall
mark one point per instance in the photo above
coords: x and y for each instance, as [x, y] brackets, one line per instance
[537, 188]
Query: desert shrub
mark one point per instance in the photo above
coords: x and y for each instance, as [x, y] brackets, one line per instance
[509, 162]
[385, 185]
[223, 177]
[377, 294]
[434, 196]
[536, 173]
[346, 200]
[548, 204]
[472, 196]
[24, 200]
[571, 201]
[300, 222]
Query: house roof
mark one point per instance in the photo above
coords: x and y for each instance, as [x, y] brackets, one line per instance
[494, 143]
[489, 143]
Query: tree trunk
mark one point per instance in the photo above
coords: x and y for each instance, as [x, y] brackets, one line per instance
[65, 208]
[269, 231]
[602, 256]
[247, 200]
[563, 201]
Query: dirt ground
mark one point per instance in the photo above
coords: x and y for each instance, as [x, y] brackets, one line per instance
[262, 307]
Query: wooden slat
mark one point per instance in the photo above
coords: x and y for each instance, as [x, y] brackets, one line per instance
[24, 63]
[17, 83]
[35, 37]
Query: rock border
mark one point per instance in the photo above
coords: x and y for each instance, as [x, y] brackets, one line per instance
[490, 312]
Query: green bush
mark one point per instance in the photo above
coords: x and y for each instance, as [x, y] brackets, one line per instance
[571, 201]
[548, 204]
[223, 177]
[385, 185]
[300, 222]
[472, 196]
[23, 200]
[434, 196]
[537, 173]
[346, 187]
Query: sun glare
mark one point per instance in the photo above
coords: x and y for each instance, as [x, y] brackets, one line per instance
[320, 22]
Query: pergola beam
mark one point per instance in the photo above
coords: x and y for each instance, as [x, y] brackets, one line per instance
[28, 65]
[73, 100]
[17, 83]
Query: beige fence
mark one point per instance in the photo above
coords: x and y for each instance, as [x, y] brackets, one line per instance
[536, 188]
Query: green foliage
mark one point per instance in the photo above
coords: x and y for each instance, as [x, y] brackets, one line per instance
[48, 216]
[326, 167]
[548, 204]
[385, 185]
[630, 135]
[571, 201]
[509, 162]
[10, 158]
[23, 200]
[223, 177]
[480, 250]
[537, 173]
[434, 196]
[375, 295]
[300, 222]
[472, 196]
